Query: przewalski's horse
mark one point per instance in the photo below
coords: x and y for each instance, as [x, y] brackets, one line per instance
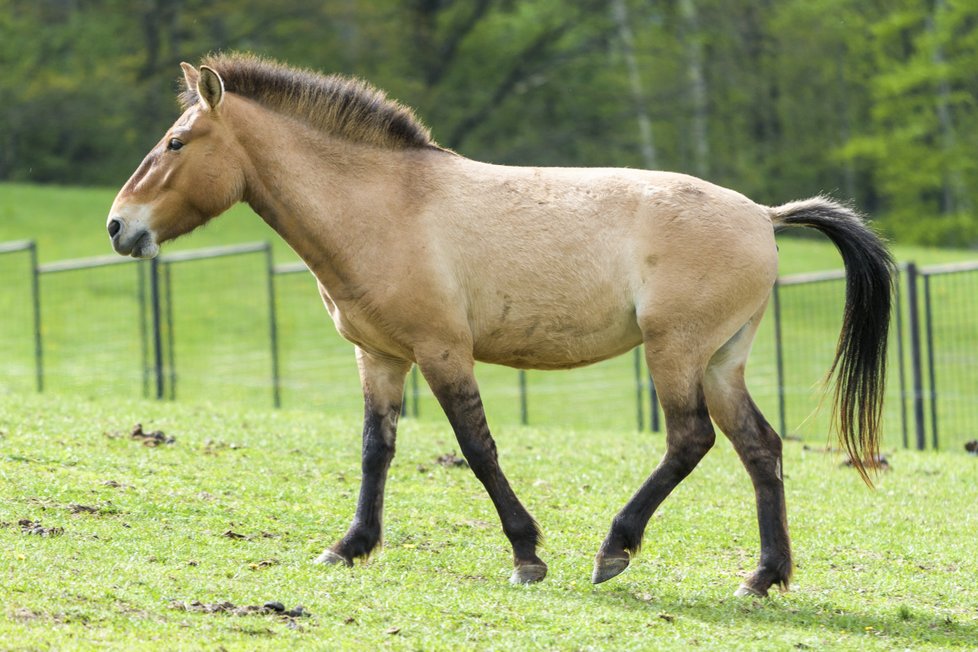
[427, 257]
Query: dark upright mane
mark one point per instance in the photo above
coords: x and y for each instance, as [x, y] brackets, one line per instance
[348, 108]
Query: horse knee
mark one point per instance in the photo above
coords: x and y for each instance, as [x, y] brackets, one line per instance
[376, 455]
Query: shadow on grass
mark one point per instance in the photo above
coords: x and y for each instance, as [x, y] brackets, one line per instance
[913, 623]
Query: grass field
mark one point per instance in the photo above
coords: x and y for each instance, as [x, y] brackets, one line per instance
[69, 222]
[94, 344]
[235, 509]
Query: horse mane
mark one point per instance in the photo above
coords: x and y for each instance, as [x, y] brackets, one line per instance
[345, 107]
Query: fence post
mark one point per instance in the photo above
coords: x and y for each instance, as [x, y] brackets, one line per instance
[414, 390]
[930, 362]
[36, 295]
[915, 370]
[524, 407]
[653, 406]
[170, 346]
[143, 326]
[779, 358]
[154, 290]
[639, 389]
[901, 364]
[273, 327]
[412, 386]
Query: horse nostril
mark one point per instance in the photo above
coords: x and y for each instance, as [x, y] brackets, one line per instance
[115, 225]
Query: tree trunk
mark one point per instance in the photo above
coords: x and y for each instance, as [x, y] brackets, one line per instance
[696, 88]
[952, 194]
[620, 13]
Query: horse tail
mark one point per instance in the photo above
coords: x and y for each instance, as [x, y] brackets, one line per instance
[859, 368]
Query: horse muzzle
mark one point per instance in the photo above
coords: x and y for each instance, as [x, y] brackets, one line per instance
[132, 240]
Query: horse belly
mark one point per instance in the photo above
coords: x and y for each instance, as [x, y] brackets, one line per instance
[559, 341]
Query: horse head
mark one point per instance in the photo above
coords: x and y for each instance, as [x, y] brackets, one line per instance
[194, 173]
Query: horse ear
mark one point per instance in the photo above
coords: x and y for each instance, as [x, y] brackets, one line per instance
[210, 88]
[190, 76]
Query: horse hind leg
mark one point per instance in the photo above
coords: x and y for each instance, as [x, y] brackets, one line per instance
[759, 448]
[689, 436]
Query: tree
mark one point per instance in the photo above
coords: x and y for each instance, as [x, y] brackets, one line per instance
[921, 134]
[874, 100]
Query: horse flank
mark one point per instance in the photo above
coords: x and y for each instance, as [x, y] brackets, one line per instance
[344, 107]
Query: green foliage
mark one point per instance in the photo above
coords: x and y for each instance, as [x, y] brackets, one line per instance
[873, 101]
[240, 503]
[920, 136]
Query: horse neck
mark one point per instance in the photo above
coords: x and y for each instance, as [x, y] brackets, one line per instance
[322, 195]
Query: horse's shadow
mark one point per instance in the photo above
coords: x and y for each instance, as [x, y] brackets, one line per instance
[916, 624]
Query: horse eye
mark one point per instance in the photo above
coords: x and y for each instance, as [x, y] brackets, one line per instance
[174, 144]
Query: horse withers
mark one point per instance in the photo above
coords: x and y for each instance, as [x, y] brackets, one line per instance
[426, 257]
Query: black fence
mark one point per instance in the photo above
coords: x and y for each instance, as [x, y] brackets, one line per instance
[184, 326]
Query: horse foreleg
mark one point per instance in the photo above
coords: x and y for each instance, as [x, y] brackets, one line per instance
[453, 383]
[689, 436]
[383, 387]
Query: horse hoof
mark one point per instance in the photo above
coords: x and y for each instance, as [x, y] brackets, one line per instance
[332, 558]
[528, 574]
[607, 567]
[748, 591]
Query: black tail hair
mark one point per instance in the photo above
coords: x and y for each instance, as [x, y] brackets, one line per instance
[859, 367]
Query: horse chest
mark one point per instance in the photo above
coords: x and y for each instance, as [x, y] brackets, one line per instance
[364, 326]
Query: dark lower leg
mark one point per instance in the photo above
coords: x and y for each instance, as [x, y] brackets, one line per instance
[760, 452]
[383, 385]
[689, 436]
[378, 450]
[463, 406]
[759, 448]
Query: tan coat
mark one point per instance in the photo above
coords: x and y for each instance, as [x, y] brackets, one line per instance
[424, 256]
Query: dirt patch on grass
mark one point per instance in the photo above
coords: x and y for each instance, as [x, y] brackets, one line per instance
[272, 608]
[151, 439]
[451, 460]
[26, 615]
[112, 484]
[28, 526]
[237, 536]
[101, 509]
[264, 563]
[75, 508]
[877, 461]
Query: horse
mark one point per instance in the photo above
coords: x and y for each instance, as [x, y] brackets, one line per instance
[425, 257]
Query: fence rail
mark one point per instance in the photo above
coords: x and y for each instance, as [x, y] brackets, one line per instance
[111, 320]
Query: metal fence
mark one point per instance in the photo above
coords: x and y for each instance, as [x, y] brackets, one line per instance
[807, 314]
[20, 327]
[950, 305]
[184, 326]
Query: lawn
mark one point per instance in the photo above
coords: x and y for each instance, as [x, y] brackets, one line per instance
[109, 544]
[95, 340]
[69, 222]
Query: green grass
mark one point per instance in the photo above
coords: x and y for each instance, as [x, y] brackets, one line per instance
[93, 342]
[876, 570]
[69, 222]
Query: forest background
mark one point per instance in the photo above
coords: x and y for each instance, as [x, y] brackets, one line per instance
[868, 100]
